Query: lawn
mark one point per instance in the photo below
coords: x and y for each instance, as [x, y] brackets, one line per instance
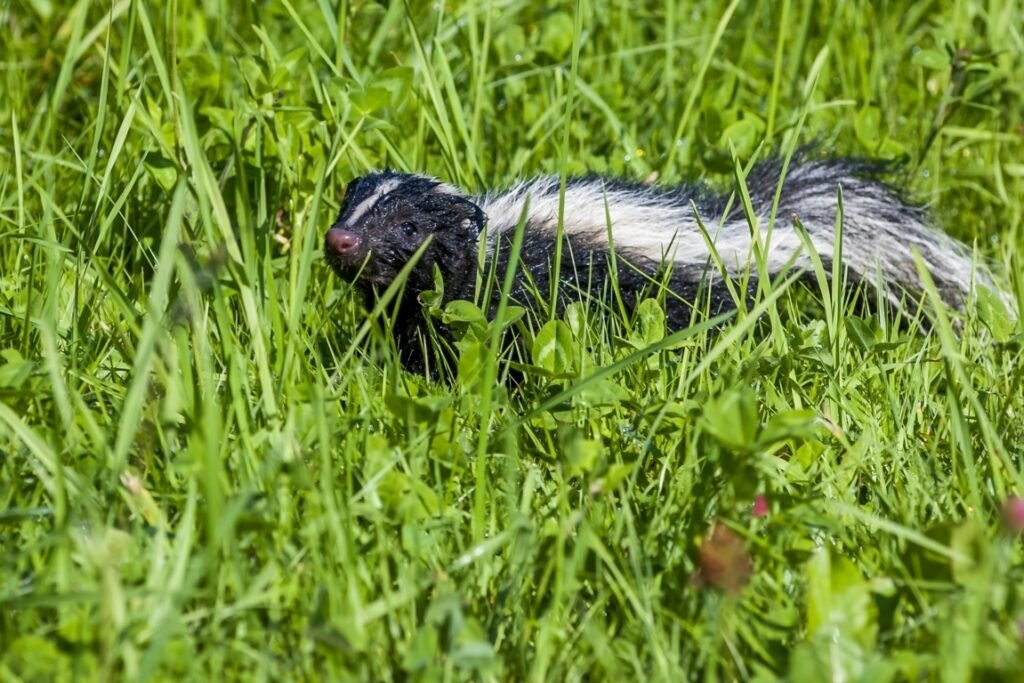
[213, 467]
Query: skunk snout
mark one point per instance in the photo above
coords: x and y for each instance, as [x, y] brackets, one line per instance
[344, 244]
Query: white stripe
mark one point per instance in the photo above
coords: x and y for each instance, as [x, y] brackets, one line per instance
[646, 224]
[445, 188]
[364, 206]
[879, 232]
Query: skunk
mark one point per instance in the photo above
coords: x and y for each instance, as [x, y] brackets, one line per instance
[655, 238]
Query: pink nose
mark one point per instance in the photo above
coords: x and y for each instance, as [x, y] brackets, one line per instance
[342, 241]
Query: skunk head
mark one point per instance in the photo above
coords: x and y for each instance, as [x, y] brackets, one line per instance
[385, 217]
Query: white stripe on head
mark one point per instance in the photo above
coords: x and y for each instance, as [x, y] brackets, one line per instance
[364, 206]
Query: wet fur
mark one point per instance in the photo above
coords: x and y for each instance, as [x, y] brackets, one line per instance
[655, 234]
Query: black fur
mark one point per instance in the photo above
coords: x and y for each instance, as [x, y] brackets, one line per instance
[391, 214]
[452, 222]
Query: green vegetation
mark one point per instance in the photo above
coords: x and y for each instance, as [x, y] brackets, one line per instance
[202, 476]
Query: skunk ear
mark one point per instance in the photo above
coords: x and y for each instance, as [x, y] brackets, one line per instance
[478, 215]
[461, 211]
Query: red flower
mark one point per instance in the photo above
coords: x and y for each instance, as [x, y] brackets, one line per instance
[760, 505]
[1013, 514]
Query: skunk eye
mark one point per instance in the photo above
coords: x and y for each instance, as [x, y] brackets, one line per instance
[409, 229]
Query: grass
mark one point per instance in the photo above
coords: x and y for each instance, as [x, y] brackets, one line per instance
[203, 475]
